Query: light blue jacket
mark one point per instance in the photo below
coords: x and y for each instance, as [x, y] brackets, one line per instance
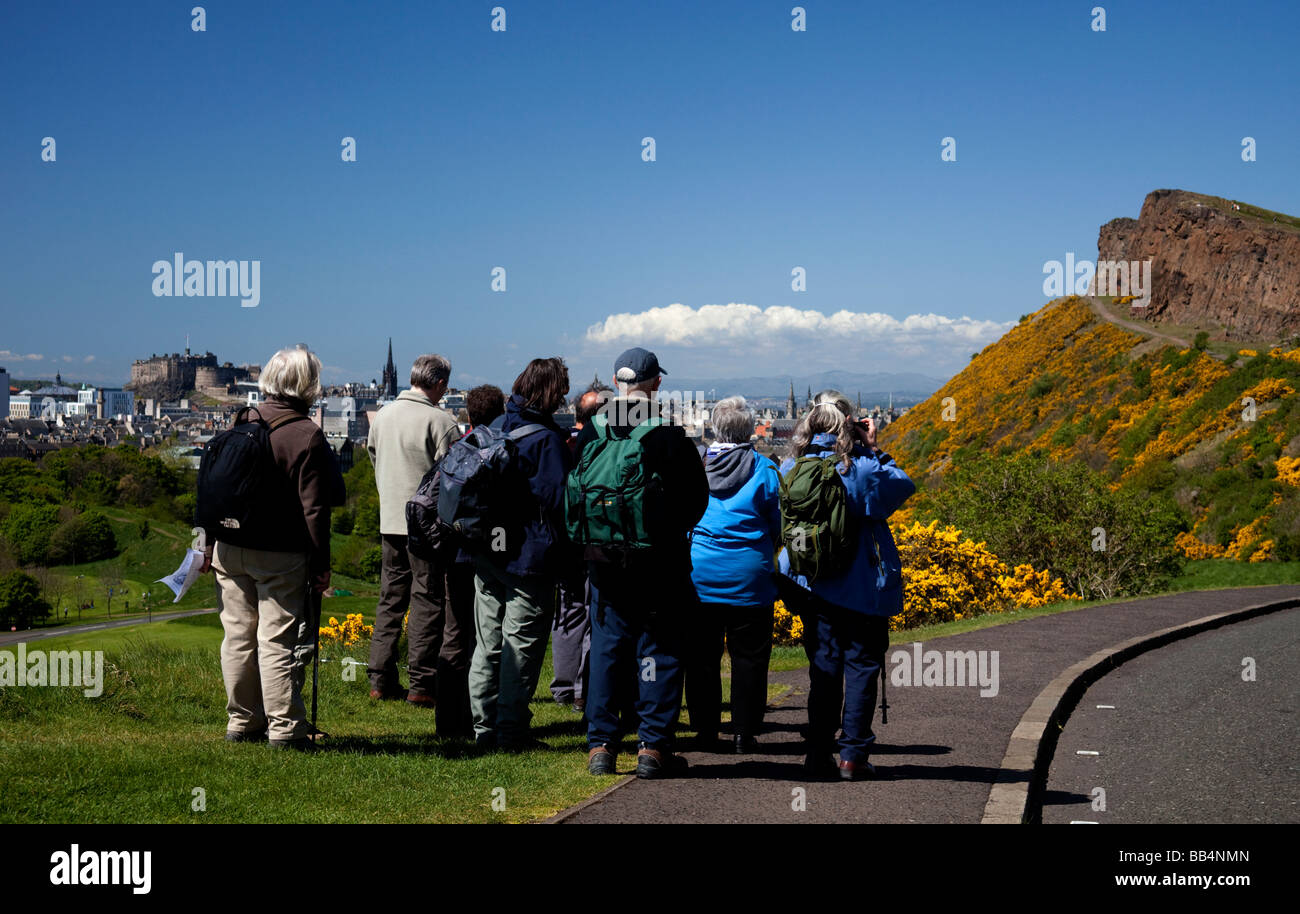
[733, 545]
[873, 584]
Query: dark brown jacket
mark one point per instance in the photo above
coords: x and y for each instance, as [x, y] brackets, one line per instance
[305, 457]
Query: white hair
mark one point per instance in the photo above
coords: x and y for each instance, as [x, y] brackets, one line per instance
[292, 374]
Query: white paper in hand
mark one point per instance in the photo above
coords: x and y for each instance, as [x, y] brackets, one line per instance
[181, 579]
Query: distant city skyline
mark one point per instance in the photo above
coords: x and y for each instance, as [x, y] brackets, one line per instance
[516, 159]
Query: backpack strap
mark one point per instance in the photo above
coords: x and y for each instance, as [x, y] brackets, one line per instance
[646, 427]
[525, 430]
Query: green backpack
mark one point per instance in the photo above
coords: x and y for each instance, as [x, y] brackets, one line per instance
[815, 523]
[606, 493]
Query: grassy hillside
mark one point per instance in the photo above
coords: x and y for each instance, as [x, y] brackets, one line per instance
[1221, 437]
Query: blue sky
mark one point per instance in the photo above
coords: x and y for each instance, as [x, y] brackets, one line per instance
[775, 149]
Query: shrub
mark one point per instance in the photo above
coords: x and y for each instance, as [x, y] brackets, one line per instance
[1064, 518]
[20, 601]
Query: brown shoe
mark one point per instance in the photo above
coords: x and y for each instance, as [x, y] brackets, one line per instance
[420, 700]
[395, 695]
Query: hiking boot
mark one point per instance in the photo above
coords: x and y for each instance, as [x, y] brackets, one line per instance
[301, 744]
[655, 763]
[245, 736]
[601, 761]
[420, 700]
[744, 745]
[856, 771]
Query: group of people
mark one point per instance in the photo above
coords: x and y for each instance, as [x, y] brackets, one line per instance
[637, 555]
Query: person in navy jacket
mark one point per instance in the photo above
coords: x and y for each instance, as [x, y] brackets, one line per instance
[846, 616]
[515, 589]
[732, 549]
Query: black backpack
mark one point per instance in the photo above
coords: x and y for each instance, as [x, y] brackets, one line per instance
[427, 537]
[243, 495]
[479, 486]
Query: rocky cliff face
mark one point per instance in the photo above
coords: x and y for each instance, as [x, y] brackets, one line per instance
[1215, 263]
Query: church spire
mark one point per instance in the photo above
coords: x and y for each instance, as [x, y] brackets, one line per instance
[389, 384]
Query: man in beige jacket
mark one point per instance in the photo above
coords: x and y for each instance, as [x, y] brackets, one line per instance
[407, 437]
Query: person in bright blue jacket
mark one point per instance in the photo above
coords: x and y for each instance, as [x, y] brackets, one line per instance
[732, 549]
[846, 615]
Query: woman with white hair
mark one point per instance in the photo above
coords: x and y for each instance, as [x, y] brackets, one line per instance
[848, 574]
[271, 570]
[731, 557]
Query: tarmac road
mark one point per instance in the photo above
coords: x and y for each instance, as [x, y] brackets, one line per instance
[1187, 739]
[942, 748]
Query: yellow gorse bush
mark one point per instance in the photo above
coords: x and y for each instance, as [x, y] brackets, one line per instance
[347, 633]
[948, 577]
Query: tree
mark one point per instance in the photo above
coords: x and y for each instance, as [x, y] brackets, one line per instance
[28, 528]
[53, 587]
[84, 538]
[20, 600]
[110, 581]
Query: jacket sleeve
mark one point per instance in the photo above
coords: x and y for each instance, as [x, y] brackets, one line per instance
[320, 487]
[553, 463]
[772, 491]
[878, 486]
[441, 440]
[690, 480]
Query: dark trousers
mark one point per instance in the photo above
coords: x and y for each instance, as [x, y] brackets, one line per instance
[407, 581]
[747, 633]
[846, 654]
[453, 716]
[636, 634]
[571, 641]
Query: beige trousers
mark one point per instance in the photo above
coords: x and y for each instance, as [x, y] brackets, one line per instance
[262, 597]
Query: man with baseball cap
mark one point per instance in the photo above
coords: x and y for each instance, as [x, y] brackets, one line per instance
[639, 559]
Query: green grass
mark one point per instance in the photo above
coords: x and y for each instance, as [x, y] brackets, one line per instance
[138, 752]
[141, 563]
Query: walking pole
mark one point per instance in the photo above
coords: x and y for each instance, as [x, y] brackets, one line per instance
[314, 605]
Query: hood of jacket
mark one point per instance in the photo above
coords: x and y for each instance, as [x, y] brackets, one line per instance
[518, 413]
[728, 467]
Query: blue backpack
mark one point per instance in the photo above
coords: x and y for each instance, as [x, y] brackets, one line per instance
[480, 486]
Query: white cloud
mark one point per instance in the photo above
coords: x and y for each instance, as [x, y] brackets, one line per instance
[67, 358]
[737, 332]
[19, 357]
[713, 325]
[88, 359]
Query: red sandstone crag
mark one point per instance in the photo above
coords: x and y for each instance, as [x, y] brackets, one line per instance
[1215, 263]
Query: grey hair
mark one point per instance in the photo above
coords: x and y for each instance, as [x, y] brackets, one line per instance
[835, 398]
[733, 421]
[292, 374]
[428, 370]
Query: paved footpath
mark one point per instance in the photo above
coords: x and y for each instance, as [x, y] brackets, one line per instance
[40, 634]
[1179, 736]
[942, 747]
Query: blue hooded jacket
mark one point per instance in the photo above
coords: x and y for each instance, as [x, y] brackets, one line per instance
[545, 460]
[877, 488]
[733, 544]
